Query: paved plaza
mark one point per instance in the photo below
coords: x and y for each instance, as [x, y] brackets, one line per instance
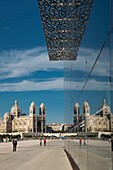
[95, 155]
[31, 156]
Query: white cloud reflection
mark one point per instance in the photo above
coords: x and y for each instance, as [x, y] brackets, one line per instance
[20, 63]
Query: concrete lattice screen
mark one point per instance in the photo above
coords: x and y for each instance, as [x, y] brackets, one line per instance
[64, 23]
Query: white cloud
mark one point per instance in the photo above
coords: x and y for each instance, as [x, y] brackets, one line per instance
[86, 59]
[91, 85]
[50, 84]
[19, 63]
[16, 63]
[54, 84]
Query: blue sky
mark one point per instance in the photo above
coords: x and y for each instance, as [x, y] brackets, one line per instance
[26, 74]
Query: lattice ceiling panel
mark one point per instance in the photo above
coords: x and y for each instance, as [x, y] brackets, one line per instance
[64, 23]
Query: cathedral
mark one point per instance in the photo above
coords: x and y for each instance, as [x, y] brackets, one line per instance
[101, 121]
[15, 121]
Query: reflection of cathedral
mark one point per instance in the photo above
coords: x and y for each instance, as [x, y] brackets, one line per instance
[15, 121]
[102, 120]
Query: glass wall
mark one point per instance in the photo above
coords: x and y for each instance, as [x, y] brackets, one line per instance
[88, 81]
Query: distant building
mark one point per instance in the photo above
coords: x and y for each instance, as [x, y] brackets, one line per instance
[55, 127]
[15, 121]
[101, 121]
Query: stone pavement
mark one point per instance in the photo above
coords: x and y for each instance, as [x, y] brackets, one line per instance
[49, 160]
[95, 155]
[31, 156]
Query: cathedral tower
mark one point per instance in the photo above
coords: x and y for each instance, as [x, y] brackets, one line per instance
[76, 116]
[32, 118]
[42, 117]
[86, 114]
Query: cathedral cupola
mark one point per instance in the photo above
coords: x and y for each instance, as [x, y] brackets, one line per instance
[6, 116]
[104, 109]
[15, 110]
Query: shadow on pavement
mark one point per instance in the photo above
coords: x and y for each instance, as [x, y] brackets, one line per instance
[72, 162]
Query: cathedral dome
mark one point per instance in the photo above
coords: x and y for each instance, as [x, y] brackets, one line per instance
[105, 109]
[6, 116]
[104, 105]
[15, 110]
[15, 107]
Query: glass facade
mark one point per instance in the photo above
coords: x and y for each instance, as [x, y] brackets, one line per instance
[90, 80]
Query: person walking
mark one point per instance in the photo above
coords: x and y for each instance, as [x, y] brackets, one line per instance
[14, 145]
[40, 142]
[80, 141]
[44, 142]
[84, 142]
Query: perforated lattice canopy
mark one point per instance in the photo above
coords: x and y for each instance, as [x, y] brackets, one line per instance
[64, 23]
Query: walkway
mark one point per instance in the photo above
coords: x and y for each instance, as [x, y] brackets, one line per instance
[30, 155]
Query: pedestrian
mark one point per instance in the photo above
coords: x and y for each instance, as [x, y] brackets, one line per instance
[109, 140]
[14, 145]
[84, 142]
[44, 142]
[40, 142]
[80, 141]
